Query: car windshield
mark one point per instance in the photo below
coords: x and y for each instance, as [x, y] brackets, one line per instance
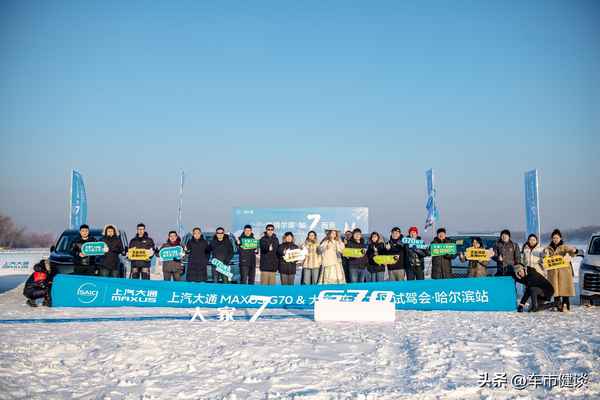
[464, 242]
[66, 241]
[594, 246]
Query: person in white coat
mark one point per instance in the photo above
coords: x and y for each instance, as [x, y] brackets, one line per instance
[331, 249]
[533, 254]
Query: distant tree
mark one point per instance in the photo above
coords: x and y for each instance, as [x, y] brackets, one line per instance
[12, 236]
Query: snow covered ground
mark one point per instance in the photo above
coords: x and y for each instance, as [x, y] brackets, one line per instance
[430, 355]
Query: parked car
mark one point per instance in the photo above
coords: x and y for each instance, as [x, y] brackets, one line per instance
[61, 259]
[459, 268]
[589, 273]
[235, 260]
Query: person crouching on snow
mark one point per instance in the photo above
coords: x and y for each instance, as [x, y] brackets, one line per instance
[37, 285]
[537, 287]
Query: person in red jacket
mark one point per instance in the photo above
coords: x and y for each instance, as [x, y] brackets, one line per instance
[37, 285]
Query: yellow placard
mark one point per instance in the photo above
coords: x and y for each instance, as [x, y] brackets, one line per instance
[473, 254]
[555, 262]
[138, 254]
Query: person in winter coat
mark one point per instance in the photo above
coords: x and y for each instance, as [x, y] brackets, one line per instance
[331, 249]
[477, 268]
[537, 287]
[506, 254]
[247, 257]
[533, 254]
[395, 247]
[141, 268]
[114, 247]
[198, 251]
[287, 269]
[357, 265]
[269, 262]
[441, 266]
[221, 249]
[561, 278]
[172, 269]
[345, 260]
[312, 263]
[83, 265]
[376, 247]
[37, 286]
[415, 257]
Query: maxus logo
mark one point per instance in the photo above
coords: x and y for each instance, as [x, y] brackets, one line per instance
[87, 293]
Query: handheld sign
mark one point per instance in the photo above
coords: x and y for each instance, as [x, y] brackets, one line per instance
[222, 268]
[443, 249]
[295, 255]
[93, 248]
[555, 262]
[353, 253]
[248, 244]
[418, 243]
[135, 254]
[473, 254]
[385, 260]
[171, 253]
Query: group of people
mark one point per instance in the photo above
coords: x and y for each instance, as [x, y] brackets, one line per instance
[324, 261]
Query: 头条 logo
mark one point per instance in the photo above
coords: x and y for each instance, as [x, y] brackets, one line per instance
[87, 293]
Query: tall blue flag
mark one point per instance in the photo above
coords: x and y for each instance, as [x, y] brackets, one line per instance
[532, 203]
[78, 211]
[432, 210]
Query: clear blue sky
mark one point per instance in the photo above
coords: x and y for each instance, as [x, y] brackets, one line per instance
[289, 104]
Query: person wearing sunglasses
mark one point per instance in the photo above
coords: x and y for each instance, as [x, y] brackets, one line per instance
[269, 262]
[221, 249]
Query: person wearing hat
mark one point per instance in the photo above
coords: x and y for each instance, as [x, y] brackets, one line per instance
[506, 254]
[247, 258]
[537, 287]
[395, 247]
[83, 265]
[415, 268]
[441, 266]
[331, 249]
[269, 262]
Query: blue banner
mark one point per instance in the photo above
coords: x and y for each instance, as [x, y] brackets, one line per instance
[464, 294]
[532, 203]
[300, 221]
[78, 213]
[431, 206]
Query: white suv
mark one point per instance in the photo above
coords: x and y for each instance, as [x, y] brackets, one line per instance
[589, 272]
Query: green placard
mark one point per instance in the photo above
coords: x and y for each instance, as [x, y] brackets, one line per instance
[248, 244]
[443, 249]
[171, 253]
[93, 248]
[222, 268]
[385, 260]
[353, 252]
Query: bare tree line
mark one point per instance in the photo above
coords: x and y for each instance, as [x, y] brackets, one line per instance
[14, 237]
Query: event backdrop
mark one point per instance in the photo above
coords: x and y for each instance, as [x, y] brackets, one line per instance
[464, 294]
[300, 221]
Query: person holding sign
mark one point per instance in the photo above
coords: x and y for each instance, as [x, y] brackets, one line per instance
[172, 267]
[141, 242]
[506, 254]
[287, 269]
[221, 249]
[376, 248]
[198, 250]
[533, 254]
[83, 264]
[357, 265]
[395, 247]
[415, 257]
[331, 249]
[269, 262]
[478, 258]
[113, 248]
[248, 248]
[312, 262]
[561, 278]
[441, 265]
[537, 288]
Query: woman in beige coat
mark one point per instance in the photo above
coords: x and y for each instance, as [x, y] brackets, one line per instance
[312, 261]
[561, 278]
[331, 249]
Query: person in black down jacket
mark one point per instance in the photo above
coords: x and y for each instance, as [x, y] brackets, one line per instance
[287, 270]
[83, 265]
[357, 265]
[395, 247]
[269, 262]
[536, 286]
[506, 254]
[198, 250]
[221, 249]
[441, 266]
[415, 258]
[38, 284]
[247, 257]
[142, 241]
[114, 247]
[376, 248]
